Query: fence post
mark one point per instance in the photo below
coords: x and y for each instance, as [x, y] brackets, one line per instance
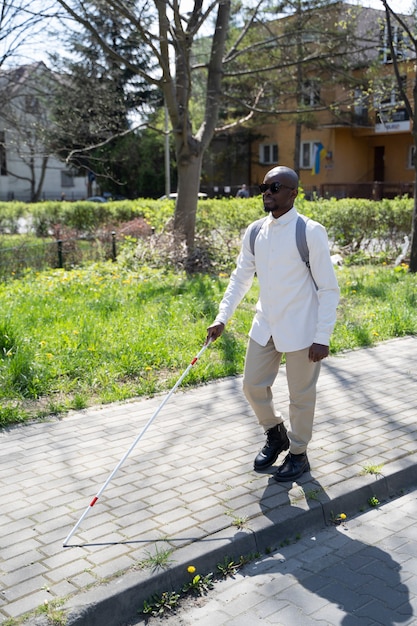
[113, 246]
[60, 256]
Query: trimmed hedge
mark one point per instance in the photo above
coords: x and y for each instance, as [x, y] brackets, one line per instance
[353, 225]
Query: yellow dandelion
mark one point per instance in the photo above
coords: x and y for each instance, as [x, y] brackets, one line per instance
[191, 569]
[342, 516]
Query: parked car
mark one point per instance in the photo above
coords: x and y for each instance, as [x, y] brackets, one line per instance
[97, 199]
[173, 196]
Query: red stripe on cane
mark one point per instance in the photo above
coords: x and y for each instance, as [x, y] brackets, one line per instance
[93, 501]
[194, 360]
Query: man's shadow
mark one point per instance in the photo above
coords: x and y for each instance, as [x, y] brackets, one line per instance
[362, 581]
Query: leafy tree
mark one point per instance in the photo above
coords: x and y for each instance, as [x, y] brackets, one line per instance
[402, 42]
[24, 112]
[93, 97]
[168, 32]
[234, 60]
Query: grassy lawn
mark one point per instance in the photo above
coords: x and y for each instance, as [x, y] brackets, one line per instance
[71, 339]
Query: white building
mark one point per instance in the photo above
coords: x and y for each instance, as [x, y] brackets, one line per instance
[28, 172]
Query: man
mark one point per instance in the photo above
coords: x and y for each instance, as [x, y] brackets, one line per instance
[242, 192]
[294, 315]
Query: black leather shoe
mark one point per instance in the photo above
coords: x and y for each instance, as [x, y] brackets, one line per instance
[276, 442]
[294, 466]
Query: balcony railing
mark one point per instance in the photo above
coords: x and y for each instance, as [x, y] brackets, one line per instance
[371, 190]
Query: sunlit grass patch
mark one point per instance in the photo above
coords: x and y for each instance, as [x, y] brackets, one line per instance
[69, 339]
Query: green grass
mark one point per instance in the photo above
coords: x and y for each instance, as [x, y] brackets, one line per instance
[71, 339]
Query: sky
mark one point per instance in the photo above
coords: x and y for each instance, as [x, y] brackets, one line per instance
[39, 46]
[400, 6]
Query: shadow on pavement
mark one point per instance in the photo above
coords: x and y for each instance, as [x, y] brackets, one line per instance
[361, 581]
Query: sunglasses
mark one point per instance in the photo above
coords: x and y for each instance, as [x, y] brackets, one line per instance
[274, 187]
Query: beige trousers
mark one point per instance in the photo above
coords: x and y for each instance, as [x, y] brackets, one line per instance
[261, 369]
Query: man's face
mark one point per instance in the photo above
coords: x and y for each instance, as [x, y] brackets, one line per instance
[278, 199]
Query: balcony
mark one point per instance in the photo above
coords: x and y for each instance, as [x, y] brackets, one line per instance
[352, 119]
[371, 190]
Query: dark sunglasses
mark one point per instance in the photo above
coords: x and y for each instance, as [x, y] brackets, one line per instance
[274, 187]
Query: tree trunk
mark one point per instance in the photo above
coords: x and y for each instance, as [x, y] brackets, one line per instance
[41, 178]
[189, 171]
[413, 253]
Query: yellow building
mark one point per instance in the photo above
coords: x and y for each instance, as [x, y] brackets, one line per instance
[363, 150]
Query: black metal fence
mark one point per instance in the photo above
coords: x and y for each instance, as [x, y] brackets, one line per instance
[61, 253]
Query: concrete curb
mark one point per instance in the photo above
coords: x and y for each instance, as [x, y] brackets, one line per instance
[121, 599]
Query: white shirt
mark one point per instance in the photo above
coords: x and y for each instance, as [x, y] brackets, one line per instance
[289, 308]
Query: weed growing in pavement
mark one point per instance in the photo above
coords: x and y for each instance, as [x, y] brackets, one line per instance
[229, 567]
[371, 469]
[199, 585]
[159, 605]
[238, 521]
[56, 616]
[313, 494]
[337, 519]
[159, 559]
[373, 501]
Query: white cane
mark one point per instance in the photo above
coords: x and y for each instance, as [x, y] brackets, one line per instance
[145, 428]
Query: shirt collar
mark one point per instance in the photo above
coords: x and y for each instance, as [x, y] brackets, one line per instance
[284, 219]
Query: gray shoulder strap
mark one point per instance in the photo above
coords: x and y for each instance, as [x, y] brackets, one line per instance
[301, 239]
[255, 228]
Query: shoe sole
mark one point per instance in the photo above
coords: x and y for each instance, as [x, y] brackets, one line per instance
[262, 467]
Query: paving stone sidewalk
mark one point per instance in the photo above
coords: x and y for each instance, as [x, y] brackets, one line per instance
[360, 573]
[187, 483]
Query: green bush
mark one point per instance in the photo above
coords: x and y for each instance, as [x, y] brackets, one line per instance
[361, 229]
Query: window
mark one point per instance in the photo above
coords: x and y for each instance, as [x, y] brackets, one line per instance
[268, 153]
[31, 104]
[308, 150]
[389, 105]
[392, 96]
[399, 43]
[3, 161]
[310, 93]
[67, 179]
[360, 110]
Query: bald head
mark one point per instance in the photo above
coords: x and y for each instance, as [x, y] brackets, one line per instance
[286, 176]
[279, 198]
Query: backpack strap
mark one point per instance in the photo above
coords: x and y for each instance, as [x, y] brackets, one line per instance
[300, 238]
[255, 228]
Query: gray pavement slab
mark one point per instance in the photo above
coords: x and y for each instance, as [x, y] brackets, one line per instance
[188, 483]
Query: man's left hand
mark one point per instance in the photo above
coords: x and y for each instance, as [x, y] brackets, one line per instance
[318, 352]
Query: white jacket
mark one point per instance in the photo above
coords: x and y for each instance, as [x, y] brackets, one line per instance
[289, 309]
